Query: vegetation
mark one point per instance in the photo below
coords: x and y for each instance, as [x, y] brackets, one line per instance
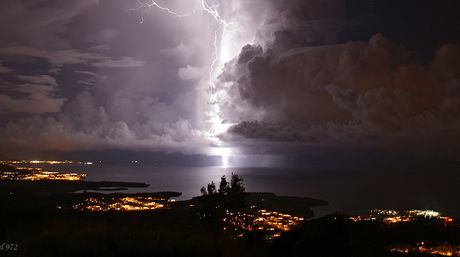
[214, 203]
[235, 187]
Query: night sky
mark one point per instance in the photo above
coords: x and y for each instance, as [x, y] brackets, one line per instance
[266, 76]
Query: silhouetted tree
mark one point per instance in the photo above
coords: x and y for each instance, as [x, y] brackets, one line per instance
[223, 186]
[203, 191]
[211, 188]
[230, 196]
[225, 189]
[236, 185]
[235, 198]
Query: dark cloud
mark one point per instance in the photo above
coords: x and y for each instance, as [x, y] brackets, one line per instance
[38, 99]
[4, 69]
[73, 56]
[304, 84]
[39, 23]
[304, 23]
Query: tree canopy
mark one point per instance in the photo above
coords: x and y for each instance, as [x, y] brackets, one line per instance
[234, 187]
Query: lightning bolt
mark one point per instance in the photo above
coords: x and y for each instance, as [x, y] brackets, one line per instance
[147, 6]
[217, 124]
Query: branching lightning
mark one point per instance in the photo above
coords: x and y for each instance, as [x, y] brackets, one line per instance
[217, 126]
[145, 6]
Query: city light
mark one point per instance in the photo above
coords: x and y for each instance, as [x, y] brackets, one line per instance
[270, 222]
[444, 249]
[121, 204]
[36, 173]
[44, 162]
[392, 216]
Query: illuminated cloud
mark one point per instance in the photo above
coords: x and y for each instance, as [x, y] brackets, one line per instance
[191, 73]
[39, 100]
[37, 96]
[89, 78]
[39, 79]
[125, 62]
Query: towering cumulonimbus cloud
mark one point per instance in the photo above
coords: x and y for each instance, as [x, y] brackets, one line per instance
[303, 82]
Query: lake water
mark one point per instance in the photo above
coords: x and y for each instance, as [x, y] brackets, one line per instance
[349, 191]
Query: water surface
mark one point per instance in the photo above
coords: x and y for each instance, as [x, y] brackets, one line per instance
[350, 191]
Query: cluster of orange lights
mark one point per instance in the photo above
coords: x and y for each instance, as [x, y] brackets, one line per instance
[121, 204]
[392, 216]
[44, 162]
[262, 220]
[442, 250]
[359, 218]
[38, 174]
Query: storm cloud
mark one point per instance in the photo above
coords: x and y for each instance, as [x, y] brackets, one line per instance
[303, 83]
[86, 75]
